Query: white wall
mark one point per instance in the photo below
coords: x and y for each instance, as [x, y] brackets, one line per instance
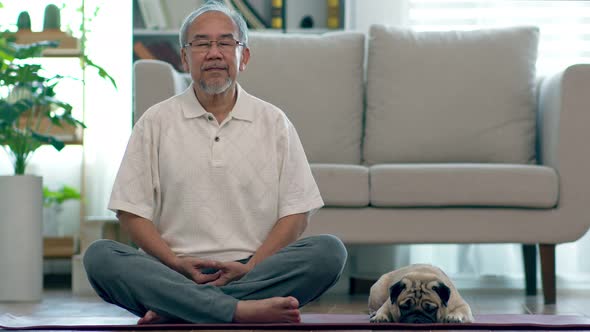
[362, 13]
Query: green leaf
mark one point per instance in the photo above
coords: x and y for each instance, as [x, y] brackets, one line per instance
[9, 113]
[56, 143]
[69, 119]
[6, 53]
[69, 193]
[58, 197]
[101, 72]
[32, 50]
[49, 100]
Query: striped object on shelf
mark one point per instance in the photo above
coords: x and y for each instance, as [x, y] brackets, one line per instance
[333, 14]
[277, 14]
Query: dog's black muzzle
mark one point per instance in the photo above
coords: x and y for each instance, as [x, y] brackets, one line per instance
[417, 318]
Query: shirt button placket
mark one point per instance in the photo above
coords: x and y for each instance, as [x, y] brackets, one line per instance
[216, 151]
[215, 158]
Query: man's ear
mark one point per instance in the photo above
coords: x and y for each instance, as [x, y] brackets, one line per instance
[183, 58]
[443, 292]
[245, 58]
[395, 290]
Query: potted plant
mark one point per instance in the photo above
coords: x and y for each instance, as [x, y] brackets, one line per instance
[29, 113]
[28, 102]
[53, 206]
[29, 109]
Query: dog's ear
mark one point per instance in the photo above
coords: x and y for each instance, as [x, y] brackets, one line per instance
[395, 290]
[443, 292]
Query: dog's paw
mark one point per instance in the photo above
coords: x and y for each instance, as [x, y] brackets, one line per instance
[455, 317]
[379, 318]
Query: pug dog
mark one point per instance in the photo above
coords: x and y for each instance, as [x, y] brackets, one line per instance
[418, 293]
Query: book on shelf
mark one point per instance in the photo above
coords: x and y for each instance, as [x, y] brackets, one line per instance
[142, 52]
[177, 10]
[252, 11]
[138, 22]
[153, 14]
[158, 50]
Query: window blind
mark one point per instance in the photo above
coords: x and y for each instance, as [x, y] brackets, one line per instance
[564, 25]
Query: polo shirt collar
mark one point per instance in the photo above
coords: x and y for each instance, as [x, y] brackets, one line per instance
[243, 107]
[192, 108]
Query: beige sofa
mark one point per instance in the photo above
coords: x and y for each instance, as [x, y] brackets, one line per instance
[432, 137]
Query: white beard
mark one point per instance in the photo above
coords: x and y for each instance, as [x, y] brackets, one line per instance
[214, 89]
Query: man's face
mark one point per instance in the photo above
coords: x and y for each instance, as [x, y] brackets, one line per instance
[214, 69]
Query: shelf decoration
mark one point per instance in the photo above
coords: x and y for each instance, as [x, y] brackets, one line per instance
[67, 45]
[277, 20]
[333, 14]
[24, 21]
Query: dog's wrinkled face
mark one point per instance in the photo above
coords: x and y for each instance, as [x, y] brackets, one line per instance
[419, 301]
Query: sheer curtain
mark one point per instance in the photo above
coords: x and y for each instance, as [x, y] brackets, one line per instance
[108, 111]
[565, 39]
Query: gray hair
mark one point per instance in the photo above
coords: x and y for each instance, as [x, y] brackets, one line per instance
[214, 6]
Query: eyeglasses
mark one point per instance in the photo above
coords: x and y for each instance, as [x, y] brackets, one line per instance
[203, 46]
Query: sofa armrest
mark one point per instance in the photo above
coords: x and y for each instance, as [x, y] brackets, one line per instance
[563, 133]
[153, 82]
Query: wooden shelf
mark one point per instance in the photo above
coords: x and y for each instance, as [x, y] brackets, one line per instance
[310, 31]
[155, 33]
[62, 53]
[68, 45]
[68, 134]
[58, 247]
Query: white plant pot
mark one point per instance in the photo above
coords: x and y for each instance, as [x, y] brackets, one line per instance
[51, 227]
[21, 242]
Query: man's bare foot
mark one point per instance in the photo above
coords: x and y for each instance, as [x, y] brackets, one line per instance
[273, 310]
[151, 317]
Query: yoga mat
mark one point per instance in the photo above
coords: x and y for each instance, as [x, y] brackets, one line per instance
[309, 322]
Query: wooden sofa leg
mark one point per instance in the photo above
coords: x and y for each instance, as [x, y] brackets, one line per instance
[529, 255]
[547, 252]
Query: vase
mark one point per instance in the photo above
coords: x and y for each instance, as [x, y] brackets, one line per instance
[51, 224]
[21, 241]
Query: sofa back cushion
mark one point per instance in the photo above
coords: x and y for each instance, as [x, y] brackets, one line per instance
[317, 80]
[451, 96]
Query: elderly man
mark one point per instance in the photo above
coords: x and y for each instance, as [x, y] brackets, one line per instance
[215, 190]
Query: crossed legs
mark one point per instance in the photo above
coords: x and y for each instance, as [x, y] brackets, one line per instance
[271, 292]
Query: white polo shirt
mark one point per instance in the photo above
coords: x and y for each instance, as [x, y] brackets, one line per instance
[214, 190]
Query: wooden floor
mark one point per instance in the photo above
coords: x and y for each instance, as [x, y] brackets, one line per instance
[58, 301]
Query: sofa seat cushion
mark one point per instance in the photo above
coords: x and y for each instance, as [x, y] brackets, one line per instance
[317, 80]
[342, 185]
[451, 96]
[436, 185]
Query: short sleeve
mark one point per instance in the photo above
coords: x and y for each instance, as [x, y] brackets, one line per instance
[298, 191]
[136, 184]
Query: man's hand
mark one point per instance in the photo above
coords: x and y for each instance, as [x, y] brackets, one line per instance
[230, 271]
[191, 268]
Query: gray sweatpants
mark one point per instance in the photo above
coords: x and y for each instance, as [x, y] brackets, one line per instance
[133, 280]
